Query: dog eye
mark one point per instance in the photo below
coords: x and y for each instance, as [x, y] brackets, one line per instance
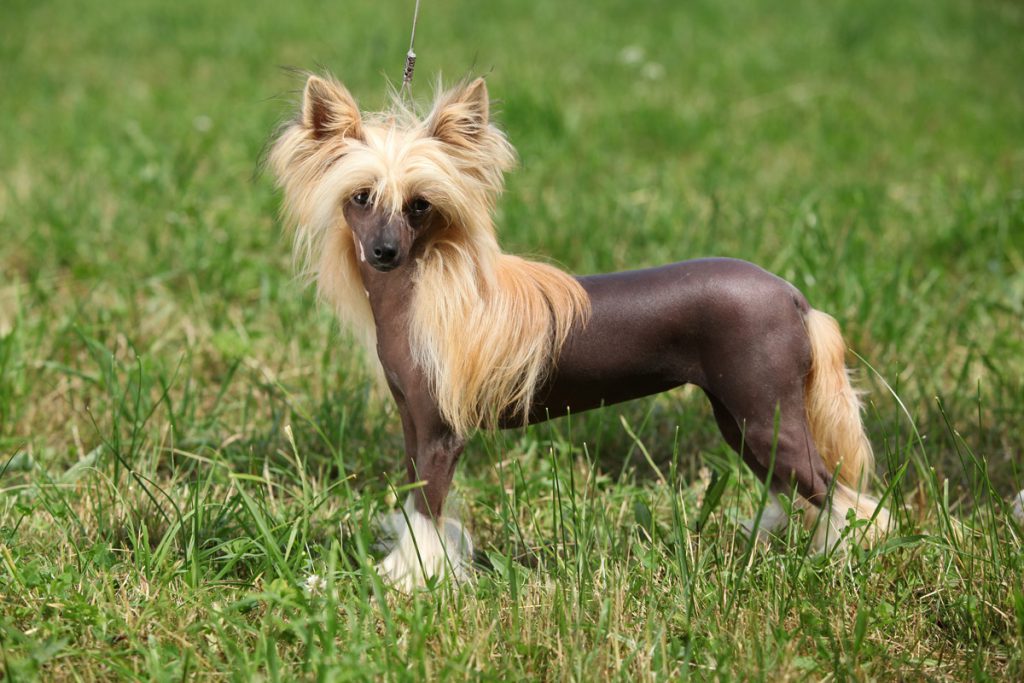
[418, 206]
[361, 198]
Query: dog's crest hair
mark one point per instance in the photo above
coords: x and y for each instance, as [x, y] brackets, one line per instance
[484, 326]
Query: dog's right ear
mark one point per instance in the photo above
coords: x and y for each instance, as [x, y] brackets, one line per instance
[328, 110]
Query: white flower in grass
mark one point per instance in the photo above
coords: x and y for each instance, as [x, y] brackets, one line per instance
[1018, 507]
[314, 584]
[202, 123]
[653, 71]
[631, 54]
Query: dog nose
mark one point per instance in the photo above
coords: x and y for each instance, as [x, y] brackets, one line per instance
[384, 254]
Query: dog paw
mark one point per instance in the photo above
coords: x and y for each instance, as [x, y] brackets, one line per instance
[1018, 507]
[421, 550]
[774, 520]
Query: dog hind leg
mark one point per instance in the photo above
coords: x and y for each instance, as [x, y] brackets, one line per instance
[825, 499]
[785, 436]
[774, 518]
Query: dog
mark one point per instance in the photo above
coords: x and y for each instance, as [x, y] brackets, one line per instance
[392, 214]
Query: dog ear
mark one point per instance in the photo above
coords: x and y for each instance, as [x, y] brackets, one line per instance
[460, 117]
[328, 109]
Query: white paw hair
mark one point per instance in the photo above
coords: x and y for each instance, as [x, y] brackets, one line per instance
[1018, 507]
[774, 519]
[421, 549]
[829, 526]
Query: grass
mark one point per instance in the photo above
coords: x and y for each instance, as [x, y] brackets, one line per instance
[186, 437]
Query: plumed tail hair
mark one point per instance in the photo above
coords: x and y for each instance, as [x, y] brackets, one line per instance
[833, 406]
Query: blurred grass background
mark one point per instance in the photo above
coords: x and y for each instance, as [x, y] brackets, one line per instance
[153, 345]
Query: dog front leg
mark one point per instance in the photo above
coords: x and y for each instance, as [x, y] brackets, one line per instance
[428, 544]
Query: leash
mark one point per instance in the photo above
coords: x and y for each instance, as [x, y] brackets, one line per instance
[410, 56]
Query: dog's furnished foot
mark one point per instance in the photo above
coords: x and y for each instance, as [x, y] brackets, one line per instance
[829, 528]
[774, 520]
[1017, 507]
[421, 550]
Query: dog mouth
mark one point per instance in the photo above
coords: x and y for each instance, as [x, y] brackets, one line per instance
[385, 267]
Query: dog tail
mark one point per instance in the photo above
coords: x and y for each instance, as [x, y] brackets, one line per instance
[833, 406]
[833, 413]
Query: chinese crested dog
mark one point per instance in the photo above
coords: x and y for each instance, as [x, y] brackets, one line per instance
[393, 218]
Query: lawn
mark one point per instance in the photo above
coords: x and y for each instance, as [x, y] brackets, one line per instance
[186, 437]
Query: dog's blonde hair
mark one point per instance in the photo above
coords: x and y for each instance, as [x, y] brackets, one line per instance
[485, 327]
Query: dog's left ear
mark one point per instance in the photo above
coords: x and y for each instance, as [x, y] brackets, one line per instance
[461, 116]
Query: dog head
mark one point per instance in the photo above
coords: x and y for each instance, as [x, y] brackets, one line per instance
[394, 183]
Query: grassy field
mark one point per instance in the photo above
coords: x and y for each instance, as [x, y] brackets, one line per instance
[186, 437]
